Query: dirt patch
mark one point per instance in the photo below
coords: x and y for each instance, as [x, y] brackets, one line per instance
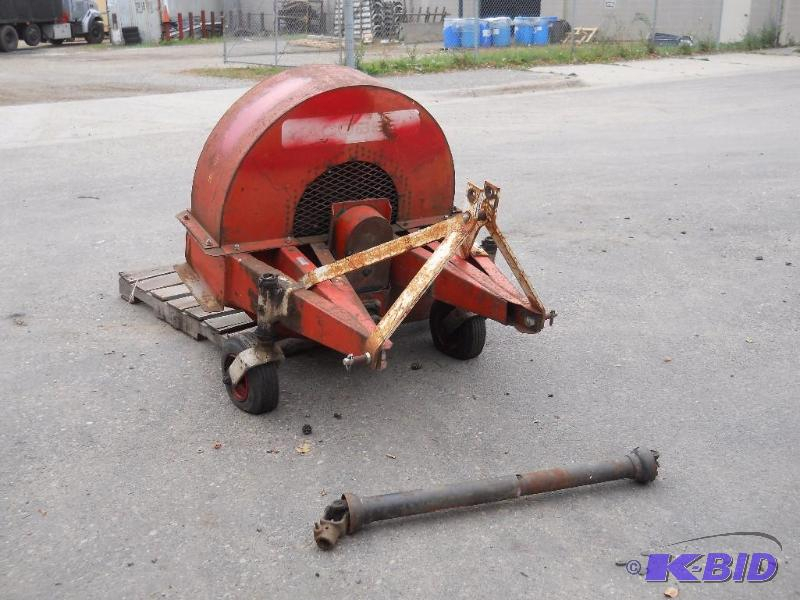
[246, 73]
[81, 72]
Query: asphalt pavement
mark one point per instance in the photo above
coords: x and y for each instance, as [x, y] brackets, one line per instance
[659, 217]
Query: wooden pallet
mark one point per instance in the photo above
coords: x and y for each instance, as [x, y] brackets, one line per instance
[583, 35]
[162, 290]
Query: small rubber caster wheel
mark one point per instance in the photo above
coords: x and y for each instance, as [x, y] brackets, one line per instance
[258, 391]
[460, 338]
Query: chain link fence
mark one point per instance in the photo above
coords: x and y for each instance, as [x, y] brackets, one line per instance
[282, 32]
[293, 32]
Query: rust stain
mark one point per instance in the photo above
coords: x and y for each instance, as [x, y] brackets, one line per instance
[386, 126]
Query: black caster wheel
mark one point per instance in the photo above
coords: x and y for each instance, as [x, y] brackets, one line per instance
[460, 338]
[258, 391]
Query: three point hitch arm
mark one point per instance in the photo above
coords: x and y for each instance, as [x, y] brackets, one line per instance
[457, 234]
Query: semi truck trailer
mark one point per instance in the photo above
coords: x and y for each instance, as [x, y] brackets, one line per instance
[54, 21]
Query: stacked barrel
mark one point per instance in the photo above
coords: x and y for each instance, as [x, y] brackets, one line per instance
[497, 31]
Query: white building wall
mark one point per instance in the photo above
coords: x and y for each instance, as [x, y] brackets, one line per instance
[632, 19]
[790, 23]
[734, 21]
[627, 20]
[143, 14]
[698, 18]
[764, 14]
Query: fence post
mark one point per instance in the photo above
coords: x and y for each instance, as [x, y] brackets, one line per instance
[655, 19]
[203, 30]
[349, 41]
[476, 34]
[191, 25]
[213, 24]
[574, 20]
[180, 26]
[779, 23]
[224, 39]
[275, 27]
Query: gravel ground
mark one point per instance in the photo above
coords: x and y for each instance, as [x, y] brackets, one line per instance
[77, 71]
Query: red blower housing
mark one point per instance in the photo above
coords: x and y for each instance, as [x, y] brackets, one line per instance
[318, 204]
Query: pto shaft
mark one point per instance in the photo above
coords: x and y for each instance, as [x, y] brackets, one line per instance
[351, 513]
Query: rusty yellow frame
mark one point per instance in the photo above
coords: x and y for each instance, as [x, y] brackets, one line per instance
[458, 234]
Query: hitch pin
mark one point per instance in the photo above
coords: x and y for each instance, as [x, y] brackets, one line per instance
[350, 360]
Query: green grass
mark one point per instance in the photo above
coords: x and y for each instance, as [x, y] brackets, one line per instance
[767, 38]
[247, 73]
[514, 57]
[187, 41]
[556, 54]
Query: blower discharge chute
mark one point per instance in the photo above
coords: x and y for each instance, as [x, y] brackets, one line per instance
[322, 206]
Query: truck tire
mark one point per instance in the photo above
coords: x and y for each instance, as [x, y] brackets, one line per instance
[8, 38]
[32, 34]
[96, 32]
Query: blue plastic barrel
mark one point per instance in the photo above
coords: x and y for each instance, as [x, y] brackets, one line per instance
[541, 30]
[485, 33]
[523, 30]
[451, 33]
[468, 27]
[501, 31]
